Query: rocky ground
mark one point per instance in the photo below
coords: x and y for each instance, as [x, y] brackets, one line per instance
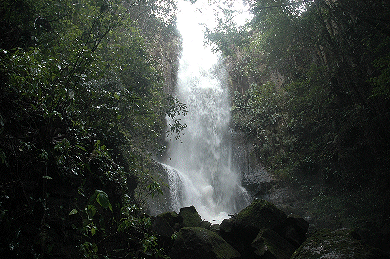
[325, 208]
[259, 231]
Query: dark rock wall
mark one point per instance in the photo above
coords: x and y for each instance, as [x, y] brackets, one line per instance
[254, 177]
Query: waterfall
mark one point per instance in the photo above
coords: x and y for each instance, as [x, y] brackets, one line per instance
[199, 169]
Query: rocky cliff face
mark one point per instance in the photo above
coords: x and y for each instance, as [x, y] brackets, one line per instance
[255, 179]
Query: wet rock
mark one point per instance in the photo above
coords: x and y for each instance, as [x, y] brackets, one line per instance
[243, 228]
[260, 214]
[338, 244]
[167, 223]
[196, 242]
[263, 188]
[294, 230]
[205, 224]
[215, 228]
[263, 231]
[268, 243]
[190, 216]
[260, 230]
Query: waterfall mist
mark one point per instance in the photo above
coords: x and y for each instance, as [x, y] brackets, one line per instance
[199, 166]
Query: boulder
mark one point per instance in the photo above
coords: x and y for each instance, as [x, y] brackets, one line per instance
[341, 243]
[259, 231]
[196, 242]
[190, 216]
[294, 230]
[205, 224]
[268, 243]
[166, 224]
[260, 214]
[243, 228]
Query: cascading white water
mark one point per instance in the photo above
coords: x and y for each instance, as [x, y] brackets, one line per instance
[200, 171]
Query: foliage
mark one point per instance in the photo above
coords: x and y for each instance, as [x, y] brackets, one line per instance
[311, 84]
[83, 110]
[311, 88]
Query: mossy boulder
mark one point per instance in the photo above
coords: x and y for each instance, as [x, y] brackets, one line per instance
[342, 243]
[191, 217]
[205, 224]
[243, 228]
[294, 230]
[166, 224]
[260, 214]
[197, 242]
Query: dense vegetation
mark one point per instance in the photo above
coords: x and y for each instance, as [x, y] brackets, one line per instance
[311, 83]
[84, 92]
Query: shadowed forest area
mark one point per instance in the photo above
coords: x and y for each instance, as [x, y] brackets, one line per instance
[85, 90]
[84, 95]
[311, 95]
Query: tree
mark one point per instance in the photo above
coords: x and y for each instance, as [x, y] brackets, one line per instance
[330, 86]
[83, 111]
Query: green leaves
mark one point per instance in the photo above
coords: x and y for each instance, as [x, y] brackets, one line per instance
[90, 211]
[320, 114]
[73, 212]
[102, 199]
[83, 104]
[154, 188]
[89, 250]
